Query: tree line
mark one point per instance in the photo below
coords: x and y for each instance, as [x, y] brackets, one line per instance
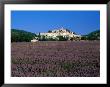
[21, 36]
[24, 36]
[95, 35]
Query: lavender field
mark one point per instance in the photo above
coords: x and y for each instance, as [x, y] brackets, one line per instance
[55, 59]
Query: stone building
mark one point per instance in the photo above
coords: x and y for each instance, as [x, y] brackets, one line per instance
[60, 32]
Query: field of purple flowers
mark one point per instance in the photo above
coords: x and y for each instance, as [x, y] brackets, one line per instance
[55, 59]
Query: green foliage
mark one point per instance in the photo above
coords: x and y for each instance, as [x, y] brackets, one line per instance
[51, 39]
[21, 36]
[68, 30]
[61, 38]
[46, 38]
[95, 35]
[49, 31]
[84, 37]
[42, 38]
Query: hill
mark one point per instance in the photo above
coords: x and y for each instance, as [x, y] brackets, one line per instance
[21, 35]
[95, 35]
[24, 36]
[60, 34]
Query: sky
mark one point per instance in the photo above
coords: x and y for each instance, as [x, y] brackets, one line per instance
[81, 22]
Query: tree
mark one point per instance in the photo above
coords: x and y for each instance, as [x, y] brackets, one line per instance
[95, 35]
[68, 30]
[21, 36]
[49, 31]
[61, 38]
[84, 38]
[51, 39]
[43, 38]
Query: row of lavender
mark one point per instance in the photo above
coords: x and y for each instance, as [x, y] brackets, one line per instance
[55, 59]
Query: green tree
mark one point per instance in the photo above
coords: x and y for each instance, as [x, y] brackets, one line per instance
[61, 38]
[49, 31]
[84, 38]
[21, 36]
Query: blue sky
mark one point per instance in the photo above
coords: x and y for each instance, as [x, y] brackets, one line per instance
[81, 22]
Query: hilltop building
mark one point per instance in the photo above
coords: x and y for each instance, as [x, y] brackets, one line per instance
[54, 34]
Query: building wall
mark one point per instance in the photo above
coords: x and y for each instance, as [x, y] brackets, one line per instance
[61, 32]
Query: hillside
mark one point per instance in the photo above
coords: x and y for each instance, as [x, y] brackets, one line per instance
[95, 35]
[24, 36]
[60, 34]
[21, 35]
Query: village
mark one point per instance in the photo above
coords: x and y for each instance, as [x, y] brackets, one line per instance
[61, 34]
